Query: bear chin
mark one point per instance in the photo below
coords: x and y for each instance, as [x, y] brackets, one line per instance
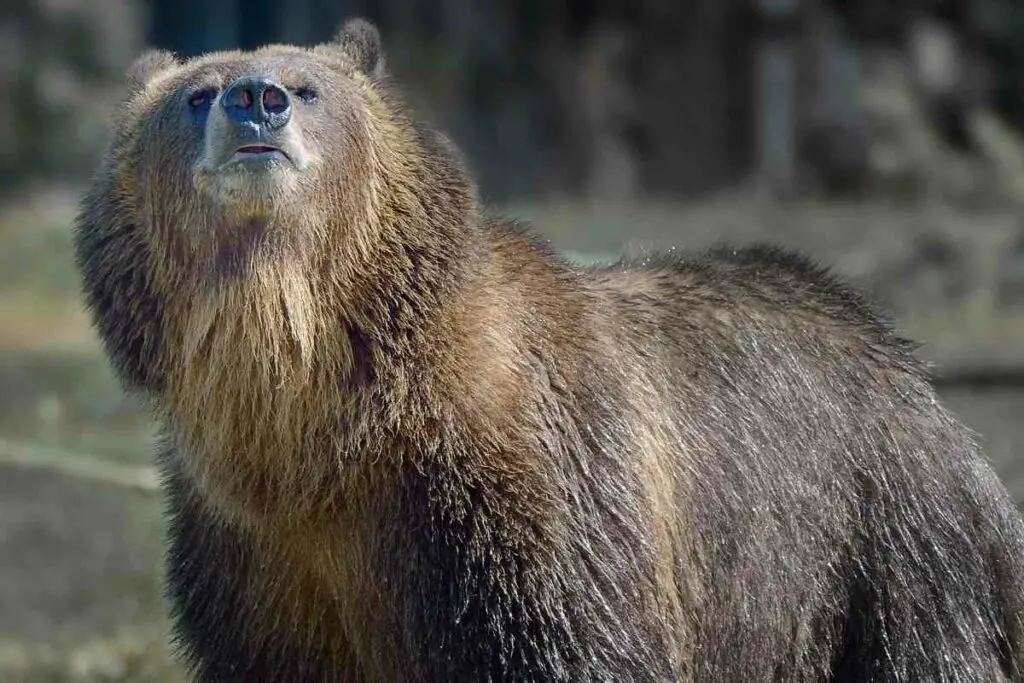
[246, 176]
[251, 187]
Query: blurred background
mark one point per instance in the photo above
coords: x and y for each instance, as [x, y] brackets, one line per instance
[883, 137]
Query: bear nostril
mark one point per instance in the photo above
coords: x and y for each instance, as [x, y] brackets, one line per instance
[239, 95]
[275, 99]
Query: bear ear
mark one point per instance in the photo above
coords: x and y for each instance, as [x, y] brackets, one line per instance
[360, 41]
[147, 65]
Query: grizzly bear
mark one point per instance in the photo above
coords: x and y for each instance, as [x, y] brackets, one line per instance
[404, 440]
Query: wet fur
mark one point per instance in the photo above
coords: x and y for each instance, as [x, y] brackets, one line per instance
[405, 441]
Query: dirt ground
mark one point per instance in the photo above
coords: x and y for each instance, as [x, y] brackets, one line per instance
[80, 596]
[80, 556]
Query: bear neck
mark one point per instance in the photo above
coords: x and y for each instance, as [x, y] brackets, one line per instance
[283, 379]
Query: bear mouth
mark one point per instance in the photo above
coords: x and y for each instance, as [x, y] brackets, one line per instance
[256, 149]
[258, 154]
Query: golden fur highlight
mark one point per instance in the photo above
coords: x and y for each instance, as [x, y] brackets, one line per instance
[258, 358]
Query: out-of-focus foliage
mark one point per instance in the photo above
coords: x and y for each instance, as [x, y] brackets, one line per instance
[596, 98]
[60, 63]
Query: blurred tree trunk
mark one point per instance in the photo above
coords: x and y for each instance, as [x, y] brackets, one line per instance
[589, 53]
[695, 95]
[831, 139]
[258, 20]
[777, 94]
[297, 22]
[191, 27]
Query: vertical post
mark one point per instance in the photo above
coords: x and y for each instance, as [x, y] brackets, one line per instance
[777, 94]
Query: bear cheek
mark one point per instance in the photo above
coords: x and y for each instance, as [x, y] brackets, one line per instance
[165, 151]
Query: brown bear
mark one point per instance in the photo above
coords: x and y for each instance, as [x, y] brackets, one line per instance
[406, 441]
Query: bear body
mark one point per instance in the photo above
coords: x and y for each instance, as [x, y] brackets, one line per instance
[405, 441]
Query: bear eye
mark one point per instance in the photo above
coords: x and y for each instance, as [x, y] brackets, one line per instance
[202, 98]
[306, 94]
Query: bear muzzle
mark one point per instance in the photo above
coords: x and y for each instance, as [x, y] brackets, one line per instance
[251, 127]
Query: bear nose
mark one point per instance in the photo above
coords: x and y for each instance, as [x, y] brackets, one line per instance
[257, 100]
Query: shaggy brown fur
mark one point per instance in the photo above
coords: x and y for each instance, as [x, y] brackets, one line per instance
[405, 441]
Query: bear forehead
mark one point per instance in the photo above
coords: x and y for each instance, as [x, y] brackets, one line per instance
[277, 62]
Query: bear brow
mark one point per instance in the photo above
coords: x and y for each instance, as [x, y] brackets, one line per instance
[201, 80]
[280, 67]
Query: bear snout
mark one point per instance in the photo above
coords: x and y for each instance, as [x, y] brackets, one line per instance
[256, 101]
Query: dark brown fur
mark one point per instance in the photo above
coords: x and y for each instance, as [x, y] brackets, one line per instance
[405, 441]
